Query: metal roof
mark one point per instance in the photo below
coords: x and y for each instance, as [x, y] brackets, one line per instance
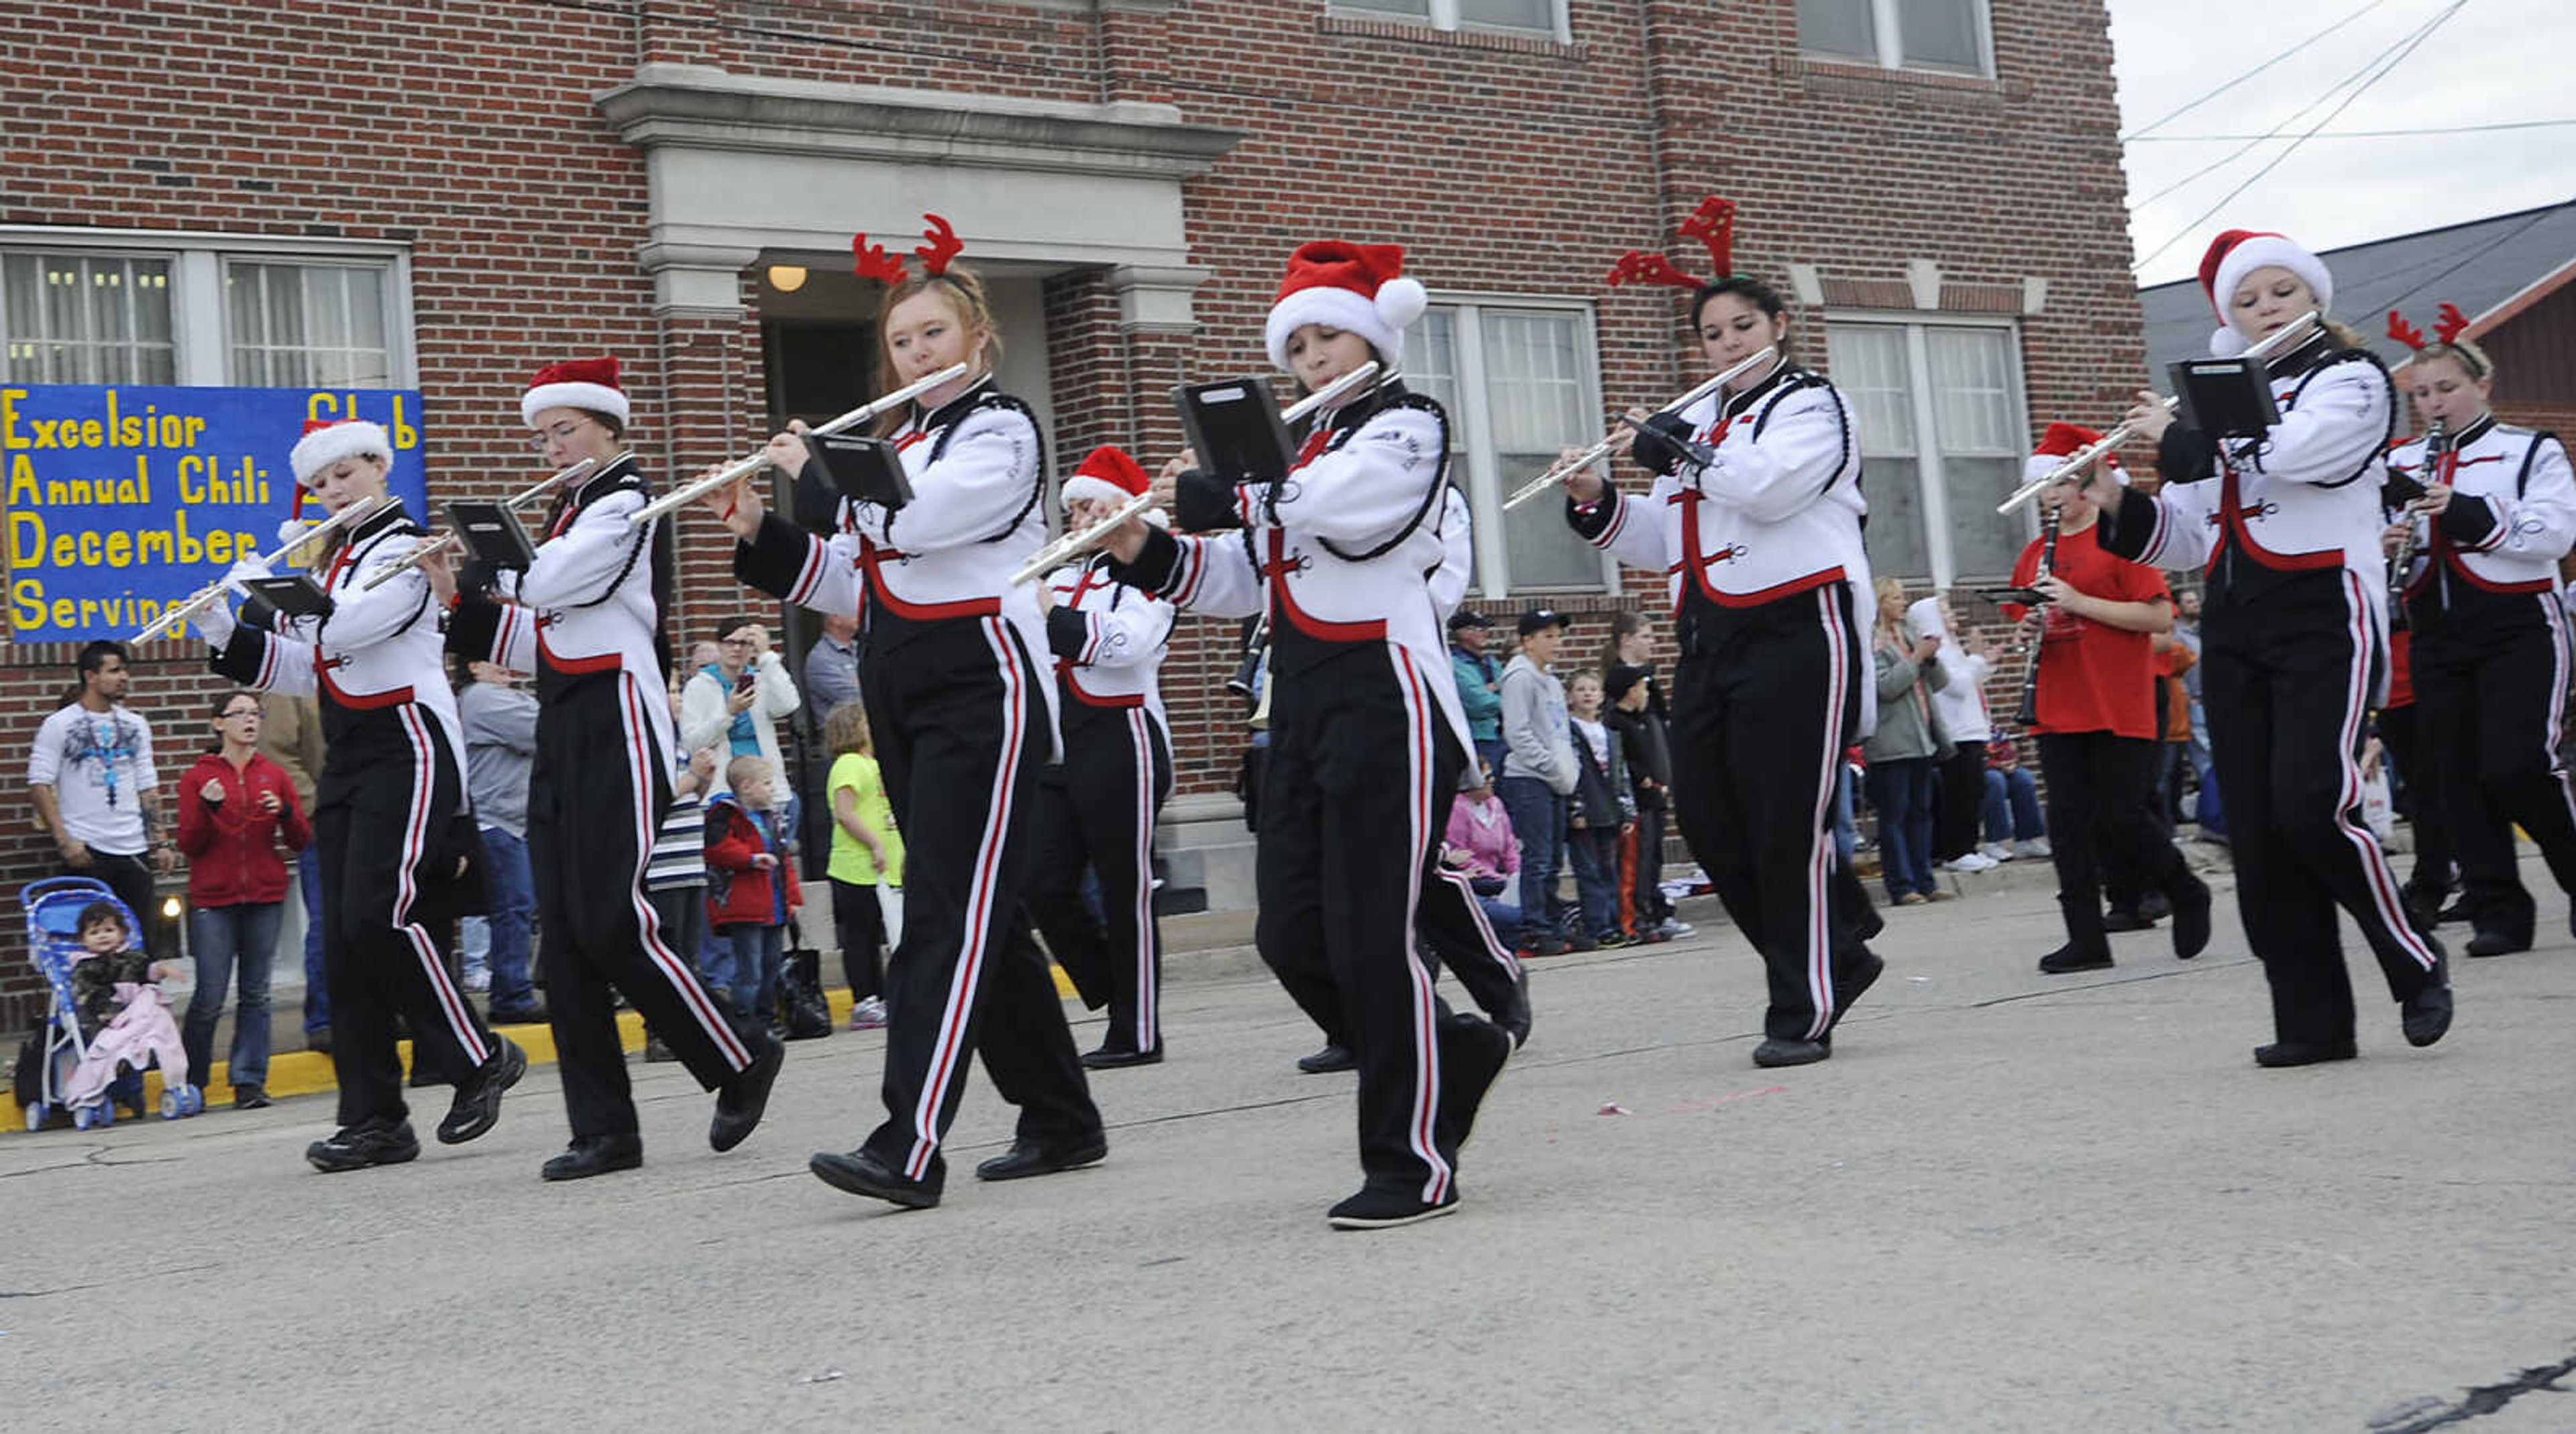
[2482, 266]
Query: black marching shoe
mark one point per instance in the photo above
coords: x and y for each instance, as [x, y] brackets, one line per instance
[2191, 918]
[2281, 1054]
[1775, 1052]
[1514, 1017]
[477, 1107]
[861, 1173]
[1385, 1209]
[2123, 918]
[1473, 1052]
[1853, 982]
[2426, 1016]
[590, 1155]
[740, 1101]
[1027, 1158]
[1330, 1058]
[2154, 906]
[2423, 905]
[370, 1142]
[2491, 942]
[1110, 1057]
[2070, 958]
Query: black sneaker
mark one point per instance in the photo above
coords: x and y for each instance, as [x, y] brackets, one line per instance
[2492, 942]
[1026, 1158]
[2425, 1017]
[741, 1100]
[2191, 918]
[1373, 1209]
[861, 1173]
[1113, 1057]
[477, 1107]
[2154, 906]
[1775, 1053]
[2068, 958]
[250, 1097]
[590, 1155]
[2121, 918]
[1514, 1017]
[1853, 982]
[372, 1142]
[1330, 1058]
[1473, 1052]
[2282, 1054]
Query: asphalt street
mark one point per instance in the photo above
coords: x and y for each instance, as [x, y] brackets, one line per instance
[2010, 1202]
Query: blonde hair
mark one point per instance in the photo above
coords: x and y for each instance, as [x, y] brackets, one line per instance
[846, 730]
[743, 769]
[966, 300]
[2472, 360]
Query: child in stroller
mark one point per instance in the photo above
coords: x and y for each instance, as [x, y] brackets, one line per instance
[109, 1020]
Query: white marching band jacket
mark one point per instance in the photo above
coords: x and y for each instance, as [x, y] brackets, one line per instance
[1347, 550]
[2304, 497]
[2512, 514]
[1109, 639]
[374, 651]
[977, 466]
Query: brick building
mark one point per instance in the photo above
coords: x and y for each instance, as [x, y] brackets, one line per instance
[444, 197]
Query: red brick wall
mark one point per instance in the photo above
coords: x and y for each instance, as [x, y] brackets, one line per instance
[1514, 166]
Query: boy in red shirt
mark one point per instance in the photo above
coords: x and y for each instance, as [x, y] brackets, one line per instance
[2097, 721]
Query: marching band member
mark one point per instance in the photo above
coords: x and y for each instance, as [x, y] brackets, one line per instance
[1097, 808]
[1366, 736]
[587, 617]
[964, 723]
[1756, 512]
[2294, 642]
[2491, 644]
[2096, 722]
[395, 836]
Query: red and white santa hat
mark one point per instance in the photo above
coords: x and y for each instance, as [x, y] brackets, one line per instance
[578, 383]
[1109, 475]
[325, 442]
[1357, 288]
[2239, 252]
[2061, 442]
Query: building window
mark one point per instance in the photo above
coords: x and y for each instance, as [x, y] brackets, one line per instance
[145, 307]
[1520, 383]
[1512, 17]
[1951, 36]
[85, 318]
[1943, 433]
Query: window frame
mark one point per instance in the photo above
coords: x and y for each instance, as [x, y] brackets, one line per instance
[200, 325]
[1443, 16]
[1887, 22]
[1474, 428]
[1934, 492]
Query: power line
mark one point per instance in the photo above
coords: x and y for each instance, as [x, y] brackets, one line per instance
[2187, 108]
[2481, 252]
[2366, 133]
[2408, 48]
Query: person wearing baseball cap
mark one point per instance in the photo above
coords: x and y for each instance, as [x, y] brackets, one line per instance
[1480, 681]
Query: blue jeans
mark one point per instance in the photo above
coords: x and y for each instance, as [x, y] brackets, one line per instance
[758, 952]
[1491, 752]
[1596, 878]
[317, 987]
[1846, 830]
[1501, 915]
[1901, 789]
[2012, 806]
[223, 938]
[513, 917]
[1538, 822]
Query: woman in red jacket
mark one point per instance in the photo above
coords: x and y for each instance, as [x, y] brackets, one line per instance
[234, 806]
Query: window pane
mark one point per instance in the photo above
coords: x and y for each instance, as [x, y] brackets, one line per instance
[1843, 28]
[1431, 367]
[73, 318]
[297, 325]
[326, 307]
[1894, 487]
[1509, 14]
[1535, 393]
[1867, 362]
[1972, 390]
[1940, 34]
[1418, 9]
[366, 309]
[1983, 542]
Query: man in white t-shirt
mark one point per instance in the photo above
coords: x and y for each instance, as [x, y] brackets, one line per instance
[92, 778]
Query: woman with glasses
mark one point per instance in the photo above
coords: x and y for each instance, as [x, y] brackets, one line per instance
[390, 815]
[587, 618]
[234, 808]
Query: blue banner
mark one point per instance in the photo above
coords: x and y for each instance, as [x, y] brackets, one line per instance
[121, 501]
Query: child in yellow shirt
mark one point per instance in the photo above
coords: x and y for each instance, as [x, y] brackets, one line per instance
[866, 851]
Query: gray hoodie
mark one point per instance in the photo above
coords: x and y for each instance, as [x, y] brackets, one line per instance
[1537, 740]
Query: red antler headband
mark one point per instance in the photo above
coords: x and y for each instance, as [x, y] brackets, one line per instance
[2448, 324]
[1712, 224]
[2404, 332]
[875, 263]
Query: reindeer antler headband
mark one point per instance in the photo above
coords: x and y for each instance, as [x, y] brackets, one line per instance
[2448, 324]
[944, 245]
[1712, 224]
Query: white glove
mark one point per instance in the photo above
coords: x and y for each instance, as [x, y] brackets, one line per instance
[247, 569]
[216, 623]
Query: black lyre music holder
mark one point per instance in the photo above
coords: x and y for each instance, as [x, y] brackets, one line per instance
[2224, 397]
[290, 594]
[491, 534]
[863, 470]
[1235, 429]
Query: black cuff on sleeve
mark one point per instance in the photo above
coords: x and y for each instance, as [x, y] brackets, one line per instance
[1204, 503]
[1068, 632]
[2468, 522]
[1155, 563]
[2123, 531]
[2186, 455]
[239, 659]
[775, 557]
[474, 628]
[1664, 444]
[1590, 523]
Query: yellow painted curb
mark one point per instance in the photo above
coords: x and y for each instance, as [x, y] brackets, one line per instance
[310, 1072]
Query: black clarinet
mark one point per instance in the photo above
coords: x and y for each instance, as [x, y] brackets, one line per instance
[2047, 562]
[2437, 445]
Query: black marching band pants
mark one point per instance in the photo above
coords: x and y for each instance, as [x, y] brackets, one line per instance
[599, 788]
[2494, 699]
[1355, 798]
[2285, 682]
[961, 735]
[1765, 700]
[1096, 810]
[2099, 818]
[385, 823]
[2402, 733]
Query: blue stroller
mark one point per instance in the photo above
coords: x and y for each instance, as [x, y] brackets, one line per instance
[54, 908]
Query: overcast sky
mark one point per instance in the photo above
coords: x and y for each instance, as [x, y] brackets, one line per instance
[2494, 61]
